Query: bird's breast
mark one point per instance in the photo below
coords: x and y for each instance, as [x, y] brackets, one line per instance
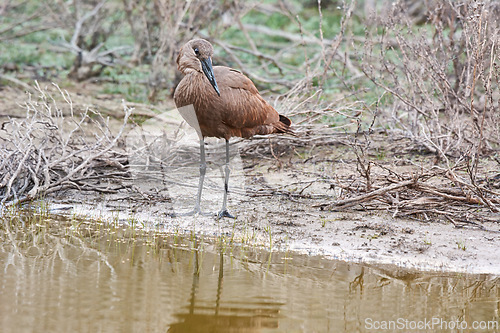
[194, 89]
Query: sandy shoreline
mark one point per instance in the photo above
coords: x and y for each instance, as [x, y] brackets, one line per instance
[351, 237]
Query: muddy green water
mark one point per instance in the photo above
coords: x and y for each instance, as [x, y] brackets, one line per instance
[77, 276]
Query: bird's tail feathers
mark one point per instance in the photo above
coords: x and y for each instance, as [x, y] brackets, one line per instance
[284, 126]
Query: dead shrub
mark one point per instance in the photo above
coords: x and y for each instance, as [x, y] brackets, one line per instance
[90, 24]
[56, 147]
[443, 75]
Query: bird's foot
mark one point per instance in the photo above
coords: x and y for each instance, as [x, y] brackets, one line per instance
[224, 213]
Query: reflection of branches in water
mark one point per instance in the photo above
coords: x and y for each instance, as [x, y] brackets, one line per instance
[26, 237]
[86, 250]
[461, 291]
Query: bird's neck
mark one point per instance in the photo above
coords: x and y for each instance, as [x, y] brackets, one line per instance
[188, 66]
[189, 70]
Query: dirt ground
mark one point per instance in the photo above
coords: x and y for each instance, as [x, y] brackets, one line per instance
[293, 223]
[276, 191]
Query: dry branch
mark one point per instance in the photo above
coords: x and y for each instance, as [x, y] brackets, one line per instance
[366, 197]
[47, 151]
[468, 204]
[16, 82]
[436, 88]
[88, 54]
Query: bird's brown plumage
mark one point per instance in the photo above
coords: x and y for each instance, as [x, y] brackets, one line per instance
[239, 110]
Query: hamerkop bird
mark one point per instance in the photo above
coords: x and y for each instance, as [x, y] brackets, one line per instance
[226, 104]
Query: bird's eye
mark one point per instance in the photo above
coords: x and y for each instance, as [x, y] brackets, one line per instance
[196, 51]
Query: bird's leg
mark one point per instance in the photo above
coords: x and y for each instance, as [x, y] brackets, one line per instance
[203, 170]
[223, 212]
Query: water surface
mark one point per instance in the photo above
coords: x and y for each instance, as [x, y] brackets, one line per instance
[63, 275]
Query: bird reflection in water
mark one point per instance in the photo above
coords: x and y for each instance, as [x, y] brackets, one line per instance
[219, 316]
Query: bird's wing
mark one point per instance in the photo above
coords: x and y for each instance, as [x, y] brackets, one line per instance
[240, 102]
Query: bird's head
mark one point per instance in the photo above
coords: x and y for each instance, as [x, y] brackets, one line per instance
[197, 55]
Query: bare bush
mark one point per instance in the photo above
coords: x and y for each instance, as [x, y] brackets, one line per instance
[443, 76]
[446, 193]
[54, 148]
[91, 27]
[439, 82]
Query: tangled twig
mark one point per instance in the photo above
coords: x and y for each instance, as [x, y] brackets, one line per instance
[48, 151]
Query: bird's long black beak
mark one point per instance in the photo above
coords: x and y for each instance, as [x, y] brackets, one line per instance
[206, 66]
